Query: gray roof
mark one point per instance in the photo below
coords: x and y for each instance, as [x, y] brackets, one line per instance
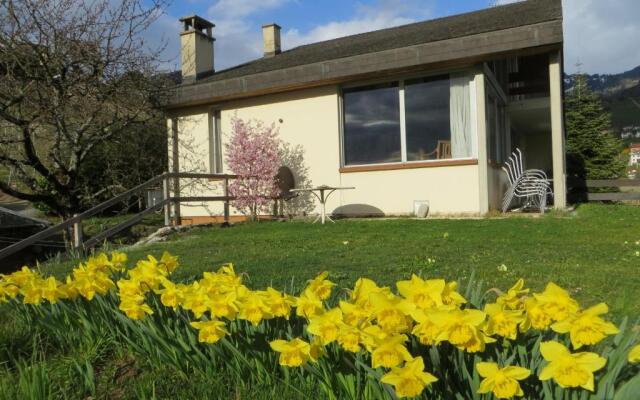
[488, 20]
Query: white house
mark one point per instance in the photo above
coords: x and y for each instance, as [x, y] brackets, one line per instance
[426, 111]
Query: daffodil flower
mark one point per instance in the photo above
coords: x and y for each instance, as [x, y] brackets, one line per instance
[293, 353]
[390, 353]
[503, 322]
[320, 286]
[569, 369]
[210, 331]
[586, 327]
[409, 380]
[502, 382]
[326, 326]
[556, 302]
[634, 354]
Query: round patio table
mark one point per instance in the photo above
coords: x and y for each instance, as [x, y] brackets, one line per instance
[322, 193]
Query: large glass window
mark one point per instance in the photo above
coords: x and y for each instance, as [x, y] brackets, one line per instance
[426, 105]
[409, 120]
[372, 125]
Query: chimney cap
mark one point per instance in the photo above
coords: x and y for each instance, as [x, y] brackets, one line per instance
[272, 24]
[196, 22]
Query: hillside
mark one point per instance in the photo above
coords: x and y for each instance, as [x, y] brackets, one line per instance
[621, 96]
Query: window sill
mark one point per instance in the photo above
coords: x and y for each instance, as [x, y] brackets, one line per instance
[409, 165]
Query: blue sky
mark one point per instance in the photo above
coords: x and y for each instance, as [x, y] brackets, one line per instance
[601, 35]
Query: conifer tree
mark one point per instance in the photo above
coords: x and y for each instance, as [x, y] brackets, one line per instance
[592, 151]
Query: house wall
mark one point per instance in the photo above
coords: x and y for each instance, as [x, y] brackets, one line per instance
[498, 184]
[311, 118]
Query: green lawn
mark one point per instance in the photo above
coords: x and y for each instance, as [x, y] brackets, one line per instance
[591, 252]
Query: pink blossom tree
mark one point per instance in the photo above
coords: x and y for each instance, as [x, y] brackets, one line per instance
[252, 154]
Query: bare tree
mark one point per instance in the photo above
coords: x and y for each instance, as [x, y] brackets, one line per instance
[73, 74]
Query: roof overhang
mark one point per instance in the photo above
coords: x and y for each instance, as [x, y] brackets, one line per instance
[545, 36]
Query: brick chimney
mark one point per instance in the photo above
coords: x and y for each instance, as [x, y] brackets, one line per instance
[271, 39]
[196, 47]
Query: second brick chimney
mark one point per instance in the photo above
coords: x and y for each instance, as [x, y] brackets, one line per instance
[271, 39]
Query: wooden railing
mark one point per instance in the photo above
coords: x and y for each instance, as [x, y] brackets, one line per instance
[579, 189]
[75, 223]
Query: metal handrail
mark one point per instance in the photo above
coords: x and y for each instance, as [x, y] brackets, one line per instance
[76, 221]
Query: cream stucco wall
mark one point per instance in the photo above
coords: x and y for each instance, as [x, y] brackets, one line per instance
[310, 118]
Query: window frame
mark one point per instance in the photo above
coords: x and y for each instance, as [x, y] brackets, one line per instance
[400, 79]
[215, 141]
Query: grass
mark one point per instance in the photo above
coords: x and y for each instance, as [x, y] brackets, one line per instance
[591, 252]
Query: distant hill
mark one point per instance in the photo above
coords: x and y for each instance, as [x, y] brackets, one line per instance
[621, 96]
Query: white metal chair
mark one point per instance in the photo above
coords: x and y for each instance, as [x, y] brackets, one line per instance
[530, 186]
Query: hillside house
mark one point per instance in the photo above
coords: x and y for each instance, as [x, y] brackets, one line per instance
[426, 111]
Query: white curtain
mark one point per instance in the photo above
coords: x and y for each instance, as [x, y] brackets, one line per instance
[460, 116]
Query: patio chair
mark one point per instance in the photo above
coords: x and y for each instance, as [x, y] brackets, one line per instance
[530, 186]
[442, 150]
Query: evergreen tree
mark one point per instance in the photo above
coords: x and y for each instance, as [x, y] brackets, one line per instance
[592, 151]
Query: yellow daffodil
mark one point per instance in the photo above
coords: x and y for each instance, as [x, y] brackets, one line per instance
[148, 273]
[556, 302]
[128, 287]
[409, 380]
[50, 290]
[634, 354]
[502, 382]
[32, 293]
[169, 262]
[503, 322]
[391, 312]
[8, 290]
[373, 336]
[424, 294]
[461, 328]
[279, 304]
[252, 307]
[224, 305]
[118, 261]
[512, 299]
[390, 352]
[68, 290]
[134, 307]
[354, 314]
[586, 327]
[567, 369]
[425, 330]
[210, 331]
[22, 277]
[195, 300]
[450, 295]
[326, 326]
[350, 338]
[536, 315]
[91, 280]
[171, 295]
[308, 305]
[320, 286]
[362, 291]
[293, 353]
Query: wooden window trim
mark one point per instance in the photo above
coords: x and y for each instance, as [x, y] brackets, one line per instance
[408, 165]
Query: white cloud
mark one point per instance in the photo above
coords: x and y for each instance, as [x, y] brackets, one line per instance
[380, 15]
[601, 35]
[228, 9]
